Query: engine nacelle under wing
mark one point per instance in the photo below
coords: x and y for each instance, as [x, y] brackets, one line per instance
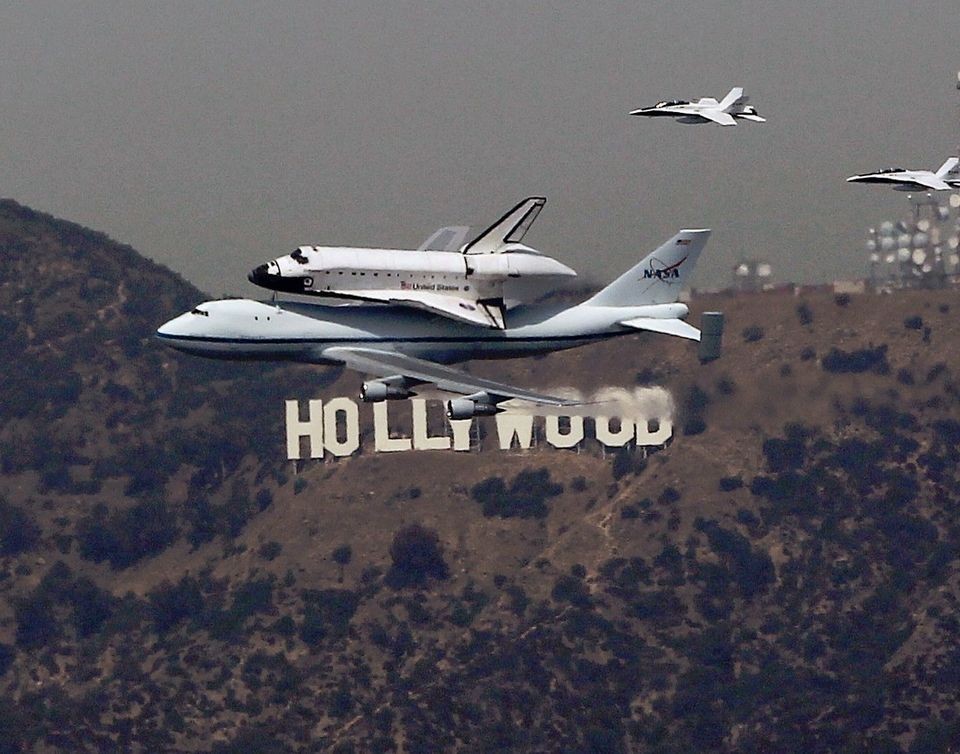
[465, 408]
[377, 391]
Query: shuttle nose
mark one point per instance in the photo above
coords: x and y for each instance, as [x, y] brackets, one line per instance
[261, 276]
[268, 276]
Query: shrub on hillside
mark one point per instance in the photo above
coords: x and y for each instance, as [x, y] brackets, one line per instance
[18, 532]
[753, 333]
[750, 568]
[526, 497]
[862, 360]
[804, 313]
[38, 623]
[327, 612]
[172, 603]
[730, 483]
[125, 537]
[417, 555]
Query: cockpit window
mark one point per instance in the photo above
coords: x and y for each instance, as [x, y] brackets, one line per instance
[669, 103]
[201, 312]
[298, 257]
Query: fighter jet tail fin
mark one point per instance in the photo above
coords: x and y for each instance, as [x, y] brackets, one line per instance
[950, 170]
[508, 229]
[733, 99]
[659, 277]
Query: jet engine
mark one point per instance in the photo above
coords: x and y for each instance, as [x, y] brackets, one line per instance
[376, 391]
[465, 408]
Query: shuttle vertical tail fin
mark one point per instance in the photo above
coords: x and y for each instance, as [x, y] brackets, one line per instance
[508, 229]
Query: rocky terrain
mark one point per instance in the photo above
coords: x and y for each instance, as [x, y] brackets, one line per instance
[784, 576]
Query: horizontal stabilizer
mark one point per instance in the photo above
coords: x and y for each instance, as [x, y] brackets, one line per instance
[675, 327]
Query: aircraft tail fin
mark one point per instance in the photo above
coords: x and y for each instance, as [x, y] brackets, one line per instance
[508, 229]
[659, 277]
[446, 239]
[733, 99]
[950, 170]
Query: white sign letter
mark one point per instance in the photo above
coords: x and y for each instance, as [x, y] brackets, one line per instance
[653, 438]
[461, 433]
[351, 414]
[421, 429]
[382, 441]
[312, 428]
[514, 425]
[569, 439]
[608, 437]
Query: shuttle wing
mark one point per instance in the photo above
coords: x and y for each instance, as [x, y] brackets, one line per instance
[718, 116]
[486, 313]
[390, 364]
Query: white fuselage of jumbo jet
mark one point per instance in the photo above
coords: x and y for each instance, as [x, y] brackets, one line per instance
[246, 329]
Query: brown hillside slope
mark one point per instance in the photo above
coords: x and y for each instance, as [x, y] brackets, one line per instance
[782, 577]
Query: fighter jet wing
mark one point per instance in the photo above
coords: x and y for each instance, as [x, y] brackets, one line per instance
[486, 313]
[932, 182]
[718, 116]
[391, 364]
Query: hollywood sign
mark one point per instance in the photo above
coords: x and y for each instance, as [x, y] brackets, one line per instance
[333, 426]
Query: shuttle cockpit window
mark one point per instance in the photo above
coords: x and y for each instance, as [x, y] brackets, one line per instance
[299, 257]
[200, 311]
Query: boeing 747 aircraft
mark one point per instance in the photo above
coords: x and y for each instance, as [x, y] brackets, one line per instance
[404, 346]
[726, 112]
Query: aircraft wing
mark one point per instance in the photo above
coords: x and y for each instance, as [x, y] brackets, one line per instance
[932, 182]
[483, 313]
[675, 327]
[391, 364]
[718, 116]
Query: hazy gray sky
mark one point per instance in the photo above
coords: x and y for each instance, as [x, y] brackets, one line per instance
[214, 135]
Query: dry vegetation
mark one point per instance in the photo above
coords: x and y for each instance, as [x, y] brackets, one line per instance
[783, 577]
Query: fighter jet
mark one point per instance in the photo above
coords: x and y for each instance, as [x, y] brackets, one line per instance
[726, 112]
[404, 347]
[491, 274]
[944, 179]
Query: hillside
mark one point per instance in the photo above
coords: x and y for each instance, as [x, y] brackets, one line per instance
[783, 576]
